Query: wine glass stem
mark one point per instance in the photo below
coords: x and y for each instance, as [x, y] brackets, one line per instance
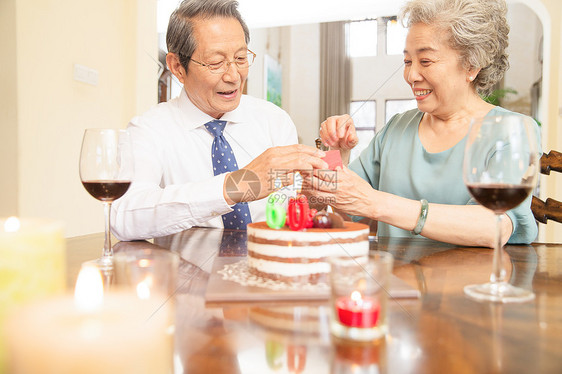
[498, 272]
[107, 249]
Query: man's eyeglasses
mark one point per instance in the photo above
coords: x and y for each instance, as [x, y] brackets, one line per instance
[242, 62]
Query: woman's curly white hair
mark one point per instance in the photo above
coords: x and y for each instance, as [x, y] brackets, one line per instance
[478, 29]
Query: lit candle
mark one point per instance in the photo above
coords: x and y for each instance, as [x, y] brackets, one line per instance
[357, 311]
[90, 333]
[32, 264]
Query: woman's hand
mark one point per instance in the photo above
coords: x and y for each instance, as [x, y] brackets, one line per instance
[338, 132]
[343, 190]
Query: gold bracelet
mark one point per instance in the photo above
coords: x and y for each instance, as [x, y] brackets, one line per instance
[421, 219]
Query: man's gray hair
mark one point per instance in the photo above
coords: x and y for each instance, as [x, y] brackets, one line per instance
[478, 29]
[179, 36]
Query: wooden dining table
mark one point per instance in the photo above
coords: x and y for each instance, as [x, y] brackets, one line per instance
[441, 331]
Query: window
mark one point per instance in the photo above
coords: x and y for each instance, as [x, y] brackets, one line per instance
[363, 38]
[363, 113]
[395, 37]
[364, 118]
[393, 107]
[362, 42]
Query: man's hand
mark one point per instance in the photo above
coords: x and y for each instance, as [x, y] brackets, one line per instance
[257, 179]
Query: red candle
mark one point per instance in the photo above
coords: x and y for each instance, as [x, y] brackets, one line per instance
[357, 311]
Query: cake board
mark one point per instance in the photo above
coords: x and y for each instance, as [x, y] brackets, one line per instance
[241, 290]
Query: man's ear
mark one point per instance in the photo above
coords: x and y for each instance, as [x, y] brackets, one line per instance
[175, 66]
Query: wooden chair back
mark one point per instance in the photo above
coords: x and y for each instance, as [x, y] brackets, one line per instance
[550, 209]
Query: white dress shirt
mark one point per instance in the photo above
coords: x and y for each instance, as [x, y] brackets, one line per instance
[173, 186]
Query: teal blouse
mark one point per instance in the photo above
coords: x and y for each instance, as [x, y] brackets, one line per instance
[396, 162]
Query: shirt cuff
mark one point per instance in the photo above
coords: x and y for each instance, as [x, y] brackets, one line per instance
[210, 198]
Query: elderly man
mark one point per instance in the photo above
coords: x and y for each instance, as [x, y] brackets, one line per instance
[187, 151]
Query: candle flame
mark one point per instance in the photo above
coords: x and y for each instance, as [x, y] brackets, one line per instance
[143, 288]
[143, 263]
[356, 297]
[12, 224]
[143, 292]
[88, 293]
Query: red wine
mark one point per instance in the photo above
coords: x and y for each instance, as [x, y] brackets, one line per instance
[499, 197]
[106, 190]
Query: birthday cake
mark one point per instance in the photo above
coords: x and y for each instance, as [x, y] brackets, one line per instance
[302, 255]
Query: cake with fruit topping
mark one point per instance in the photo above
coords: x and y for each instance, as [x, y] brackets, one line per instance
[302, 255]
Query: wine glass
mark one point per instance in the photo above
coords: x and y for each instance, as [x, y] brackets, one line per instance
[106, 170]
[500, 170]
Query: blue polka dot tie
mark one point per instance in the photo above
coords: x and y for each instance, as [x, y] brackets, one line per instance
[224, 161]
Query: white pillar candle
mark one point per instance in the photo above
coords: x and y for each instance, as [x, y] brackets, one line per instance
[32, 264]
[65, 336]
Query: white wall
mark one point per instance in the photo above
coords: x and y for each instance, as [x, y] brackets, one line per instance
[525, 69]
[297, 48]
[263, 42]
[8, 110]
[118, 40]
[303, 64]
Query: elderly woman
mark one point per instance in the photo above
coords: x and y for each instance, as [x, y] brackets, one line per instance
[455, 49]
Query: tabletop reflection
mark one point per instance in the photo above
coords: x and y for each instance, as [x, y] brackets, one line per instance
[441, 331]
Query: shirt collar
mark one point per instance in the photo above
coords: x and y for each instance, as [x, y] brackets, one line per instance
[193, 117]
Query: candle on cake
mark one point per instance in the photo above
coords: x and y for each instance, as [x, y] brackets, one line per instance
[275, 213]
